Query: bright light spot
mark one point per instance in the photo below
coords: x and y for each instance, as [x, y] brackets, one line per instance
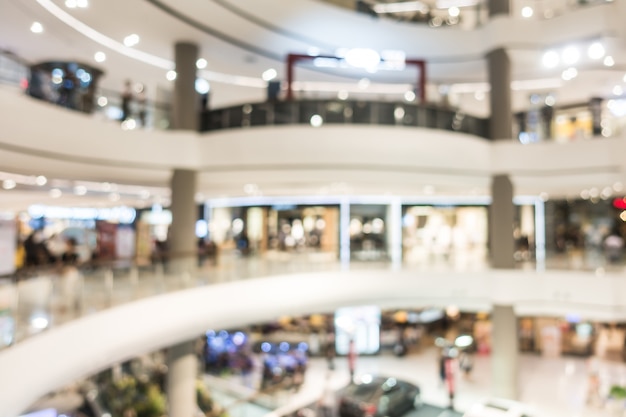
[41, 180]
[624, 79]
[114, 197]
[342, 95]
[464, 341]
[83, 4]
[618, 90]
[36, 27]
[595, 51]
[70, 4]
[80, 190]
[201, 63]
[544, 196]
[606, 193]
[571, 55]
[100, 56]
[479, 95]
[284, 346]
[202, 86]
[584, 194]
[266, 347]
[454, 11]
[9, 184]
[55, 193]
[85, 77]
[237, 226]
[452, 311]
[398, 113]
[316, 120]
[57, 72]
[609, 61]
[569, 74]
[129, 124]
[366, 379]
[618, 186]
[102, 101]
[409, 96]
[170, 75]
[269, 74]
[617, 107]
[362, 58]
[606, 132]
[131, 40]
[39, 322]
[594, 192]
[364, 83]
[527, 11]
[550, 100]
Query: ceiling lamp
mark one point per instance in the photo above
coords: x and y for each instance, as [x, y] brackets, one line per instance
[550, 59]
[362, 58]
[596, 50]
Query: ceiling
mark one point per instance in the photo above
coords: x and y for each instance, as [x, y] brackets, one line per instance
[242, 39]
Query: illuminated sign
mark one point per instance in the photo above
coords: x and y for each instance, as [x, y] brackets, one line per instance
[121, 214]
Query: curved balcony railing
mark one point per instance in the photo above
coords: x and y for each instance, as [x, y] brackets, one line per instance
[316, 112]
[34, 301]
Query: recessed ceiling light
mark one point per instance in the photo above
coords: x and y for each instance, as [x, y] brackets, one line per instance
[454, 11]
[201, 63]
[100, 56]
[170, 75]
[550, 59]
[609, 61]
[596, 50]
[41, 180]
[9, 184]
[80, 190]
[618, 90]
[36, 27]
[571, 55]
[527, 12]
[71, 4]
[83, 4]
[131, 40]
[202, 86]
[55, 193]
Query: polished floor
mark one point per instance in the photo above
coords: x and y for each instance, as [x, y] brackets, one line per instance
[552, 386]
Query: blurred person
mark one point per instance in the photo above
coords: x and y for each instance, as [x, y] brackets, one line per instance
[613, 246]
[351, 358]
[70, 277]
[37, 253]
[330, 351]
[70, 255]
[127, 97]
[141, 105]
[466, 363]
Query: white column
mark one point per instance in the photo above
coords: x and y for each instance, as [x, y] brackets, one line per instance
[181, 380]
[394, 225]
[182, 232]
[504, 356]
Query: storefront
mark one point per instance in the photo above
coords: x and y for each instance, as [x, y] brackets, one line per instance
[443, 231]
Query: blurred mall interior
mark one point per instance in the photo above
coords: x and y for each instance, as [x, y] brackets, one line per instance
[269, 208]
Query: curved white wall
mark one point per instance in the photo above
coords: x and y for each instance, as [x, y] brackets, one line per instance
[61, 355]
[38, 138]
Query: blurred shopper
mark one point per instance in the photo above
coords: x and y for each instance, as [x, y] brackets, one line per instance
[351, 358]
[330, 351]
[127, 98]
[613, 247]
[37, 253]
[466, 363]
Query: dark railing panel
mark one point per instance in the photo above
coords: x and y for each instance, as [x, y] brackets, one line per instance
[343, 112]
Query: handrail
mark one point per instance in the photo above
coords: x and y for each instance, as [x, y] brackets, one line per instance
[316, 112]
[47, 297]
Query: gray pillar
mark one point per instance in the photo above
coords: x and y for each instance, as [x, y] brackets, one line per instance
[182, 371]
[186, 101]
[182, 232]
[497, 7]
[501, 218]
[504, 353]
[501, 121]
